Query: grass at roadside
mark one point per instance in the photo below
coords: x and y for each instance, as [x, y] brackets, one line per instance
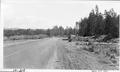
[106, 52]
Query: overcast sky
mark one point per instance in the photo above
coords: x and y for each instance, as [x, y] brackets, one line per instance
[46, 14]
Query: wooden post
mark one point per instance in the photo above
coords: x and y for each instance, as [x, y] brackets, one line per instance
[77, 29]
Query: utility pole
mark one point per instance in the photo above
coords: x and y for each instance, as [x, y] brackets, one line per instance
[77, 29]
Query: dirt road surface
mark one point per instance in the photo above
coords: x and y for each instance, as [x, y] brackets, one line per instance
[50, 53]
[30, 54]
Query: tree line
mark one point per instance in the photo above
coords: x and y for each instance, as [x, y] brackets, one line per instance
[55, 31]
[97, 24]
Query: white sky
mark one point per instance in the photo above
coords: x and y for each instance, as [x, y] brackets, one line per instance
[46, 14]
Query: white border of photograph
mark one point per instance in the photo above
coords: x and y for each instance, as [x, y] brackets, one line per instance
[38, 70]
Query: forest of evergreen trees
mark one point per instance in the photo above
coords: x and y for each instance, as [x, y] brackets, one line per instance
[97, 24]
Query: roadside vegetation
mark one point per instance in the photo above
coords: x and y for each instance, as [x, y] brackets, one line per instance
[101, 33]
[106, 52]
[96, 43]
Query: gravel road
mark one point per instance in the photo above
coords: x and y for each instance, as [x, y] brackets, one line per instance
[51, 53]
[31, 54]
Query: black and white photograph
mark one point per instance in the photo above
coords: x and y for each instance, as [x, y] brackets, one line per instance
[60, 34]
